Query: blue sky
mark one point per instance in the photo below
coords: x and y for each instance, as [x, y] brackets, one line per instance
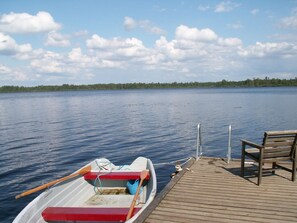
[85, 42]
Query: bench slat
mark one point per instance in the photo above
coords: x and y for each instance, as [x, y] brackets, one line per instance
[52, 214]
[114, 176]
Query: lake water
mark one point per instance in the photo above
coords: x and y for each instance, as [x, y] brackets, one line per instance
[45, 136]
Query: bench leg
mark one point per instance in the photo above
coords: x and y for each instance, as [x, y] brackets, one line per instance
[242, 160]
[294, 170]
[260, 171]
[273, 167]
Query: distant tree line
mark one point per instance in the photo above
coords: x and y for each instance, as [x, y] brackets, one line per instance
[256, 82]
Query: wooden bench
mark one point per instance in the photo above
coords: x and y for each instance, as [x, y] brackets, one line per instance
[114, 176]
[64, 214]
[277, 146]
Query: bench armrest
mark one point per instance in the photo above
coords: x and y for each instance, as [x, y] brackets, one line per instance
[254, 145]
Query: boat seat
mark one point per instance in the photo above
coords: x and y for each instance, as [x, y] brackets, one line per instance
[64, 214]
[114, 176]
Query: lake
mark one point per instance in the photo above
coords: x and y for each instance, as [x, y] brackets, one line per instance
[45, 136]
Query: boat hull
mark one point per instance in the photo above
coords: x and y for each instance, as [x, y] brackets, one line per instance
[104, 187]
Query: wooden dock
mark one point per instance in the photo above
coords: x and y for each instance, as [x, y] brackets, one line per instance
[214, 191]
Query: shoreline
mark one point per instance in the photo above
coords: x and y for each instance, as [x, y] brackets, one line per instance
[255, 83]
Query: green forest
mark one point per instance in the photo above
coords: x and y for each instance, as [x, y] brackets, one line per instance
[256, 82]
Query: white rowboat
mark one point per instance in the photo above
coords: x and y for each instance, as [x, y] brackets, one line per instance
[102, 195]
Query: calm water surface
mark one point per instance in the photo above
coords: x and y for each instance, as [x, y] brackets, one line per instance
[45, 136]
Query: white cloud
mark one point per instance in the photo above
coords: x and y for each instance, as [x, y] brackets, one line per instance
[279, 50]
[30, 55]
[49, 62]
[289, 22]
[74, 64]
[8, 46]
[226, 6]
[76, 55]
[254, 11]
[117, 52]
[81, 33]
[130, 24]
[97, 42]
[82, 61]
[230, 41]
[26, 23]
[204, 8]
[193, 52]
[158, 8]
[168, 50]
[284, 37]
[57, 39]
[7, 73]
[4, 69]
[52, 66]
[194, 34]
[236, 25]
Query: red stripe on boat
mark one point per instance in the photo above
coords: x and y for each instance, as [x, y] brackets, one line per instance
[114, 176]
[86, 214]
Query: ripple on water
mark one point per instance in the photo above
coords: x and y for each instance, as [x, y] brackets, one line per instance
[45, 136]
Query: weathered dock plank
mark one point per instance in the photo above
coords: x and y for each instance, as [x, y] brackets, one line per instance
[214, 191]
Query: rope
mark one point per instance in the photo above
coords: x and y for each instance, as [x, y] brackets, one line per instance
[103, 167]
[174, 162]
[100, 167]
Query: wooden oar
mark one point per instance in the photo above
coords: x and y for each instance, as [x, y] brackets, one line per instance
[143, 175]
[82, 171]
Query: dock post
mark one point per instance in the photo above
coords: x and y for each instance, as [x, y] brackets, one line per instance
[199, 146]
[229, 144]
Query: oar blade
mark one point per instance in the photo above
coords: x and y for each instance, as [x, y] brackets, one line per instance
[143, 175]
[81, 172]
